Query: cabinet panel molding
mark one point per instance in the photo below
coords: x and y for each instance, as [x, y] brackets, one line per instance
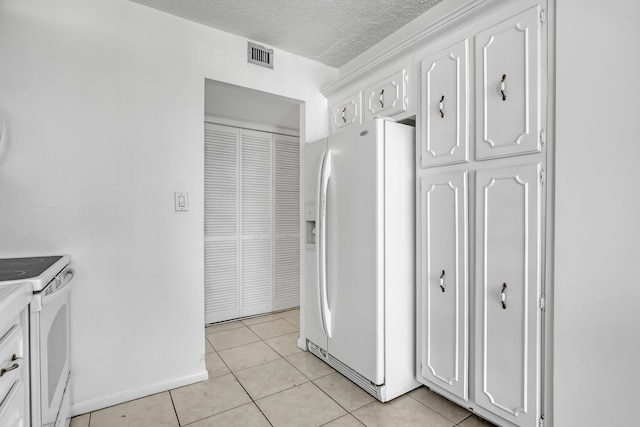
[508, 277]
[347, 112]
[388, 96]
[444, 115]
[442, 294]
[508, 97]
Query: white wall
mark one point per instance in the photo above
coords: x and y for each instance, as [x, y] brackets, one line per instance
[597, 285]
[103, 106]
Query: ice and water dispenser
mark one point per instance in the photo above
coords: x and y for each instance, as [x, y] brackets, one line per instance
[310, 220]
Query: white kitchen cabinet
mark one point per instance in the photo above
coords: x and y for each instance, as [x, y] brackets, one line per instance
[508, 292]
[347, 112]
[442, 293]
[444, 136]
[14, 355]
[251, 222]
[485, 354]
[388, 96]
[508, 86]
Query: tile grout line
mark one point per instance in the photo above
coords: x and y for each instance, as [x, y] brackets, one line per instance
[175, 411]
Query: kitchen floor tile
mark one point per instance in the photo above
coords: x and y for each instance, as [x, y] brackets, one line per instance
[402, 411]
[310, 365]
[151, 411]
[215, 365]
[285, 345]
[208, 348]
[224, 326]
[269, 381]
[243, 416]
[346, 421]
[80, 421]
[272, 329]
[248, 355]
[202, 400]
[295, 321]
[347, 394]
[290, 313]
[304, 405]
[260, 319]
[232, 338]
[439, 404]
[475, 421]
[269, 378]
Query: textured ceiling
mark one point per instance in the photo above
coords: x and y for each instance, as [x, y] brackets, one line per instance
[329, 31]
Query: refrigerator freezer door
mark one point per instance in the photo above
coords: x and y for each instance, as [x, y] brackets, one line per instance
[313, 154]
[354, 227]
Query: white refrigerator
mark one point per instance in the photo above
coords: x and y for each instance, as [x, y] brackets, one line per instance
[360, 260]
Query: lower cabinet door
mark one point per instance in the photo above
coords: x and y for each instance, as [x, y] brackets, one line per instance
[442, 287]
[508, 289]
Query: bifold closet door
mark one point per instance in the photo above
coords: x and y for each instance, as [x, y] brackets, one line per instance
[256, 290]
[252, 230]
[508, 289]
[221, 225]
[287, 221]
[442, 294]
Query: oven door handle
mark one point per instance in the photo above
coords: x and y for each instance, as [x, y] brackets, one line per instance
[40, 299]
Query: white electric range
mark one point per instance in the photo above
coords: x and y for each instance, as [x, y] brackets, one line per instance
[49, 333]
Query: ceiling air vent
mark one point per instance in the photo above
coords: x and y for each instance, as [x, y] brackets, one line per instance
[260, 55]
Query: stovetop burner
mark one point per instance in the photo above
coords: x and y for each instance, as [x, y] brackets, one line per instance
[25, 268]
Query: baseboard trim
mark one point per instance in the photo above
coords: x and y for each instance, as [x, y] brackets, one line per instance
[83, 407]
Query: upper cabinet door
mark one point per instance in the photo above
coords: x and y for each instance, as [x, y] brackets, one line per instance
[444, 128]
[442, 340]
[508, 289]
[347, 112]
[387, 97]
[508, 97]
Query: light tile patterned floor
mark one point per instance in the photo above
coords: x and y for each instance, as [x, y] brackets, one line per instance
[259, 377]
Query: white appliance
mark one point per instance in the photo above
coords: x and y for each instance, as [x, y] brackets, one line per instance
[48, 334]
[360, 295]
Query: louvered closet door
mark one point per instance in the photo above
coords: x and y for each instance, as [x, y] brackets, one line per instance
[221, 225]
[287, 221]
[256, 206]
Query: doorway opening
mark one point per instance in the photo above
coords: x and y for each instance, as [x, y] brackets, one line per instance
[252, 188]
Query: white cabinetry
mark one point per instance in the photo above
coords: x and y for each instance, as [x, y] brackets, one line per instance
[443, 326]
[347, 112]
[387, 97]
[508, 93]
[251, 222]
[444, 125]
[387, 93]
[14, 355]
[479, 279]
[508, 291]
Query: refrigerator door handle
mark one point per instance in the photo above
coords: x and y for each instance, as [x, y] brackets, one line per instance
[325, 173]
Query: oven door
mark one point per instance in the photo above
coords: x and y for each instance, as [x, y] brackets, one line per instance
[50, 351]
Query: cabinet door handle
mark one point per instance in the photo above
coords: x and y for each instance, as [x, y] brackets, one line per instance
[10, 368]
[503, 87]
[442, 107]
[503, 296]
[382, 98]
[344, 111]
[442, 281]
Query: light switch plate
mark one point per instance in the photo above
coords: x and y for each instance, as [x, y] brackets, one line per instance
[181, 201]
